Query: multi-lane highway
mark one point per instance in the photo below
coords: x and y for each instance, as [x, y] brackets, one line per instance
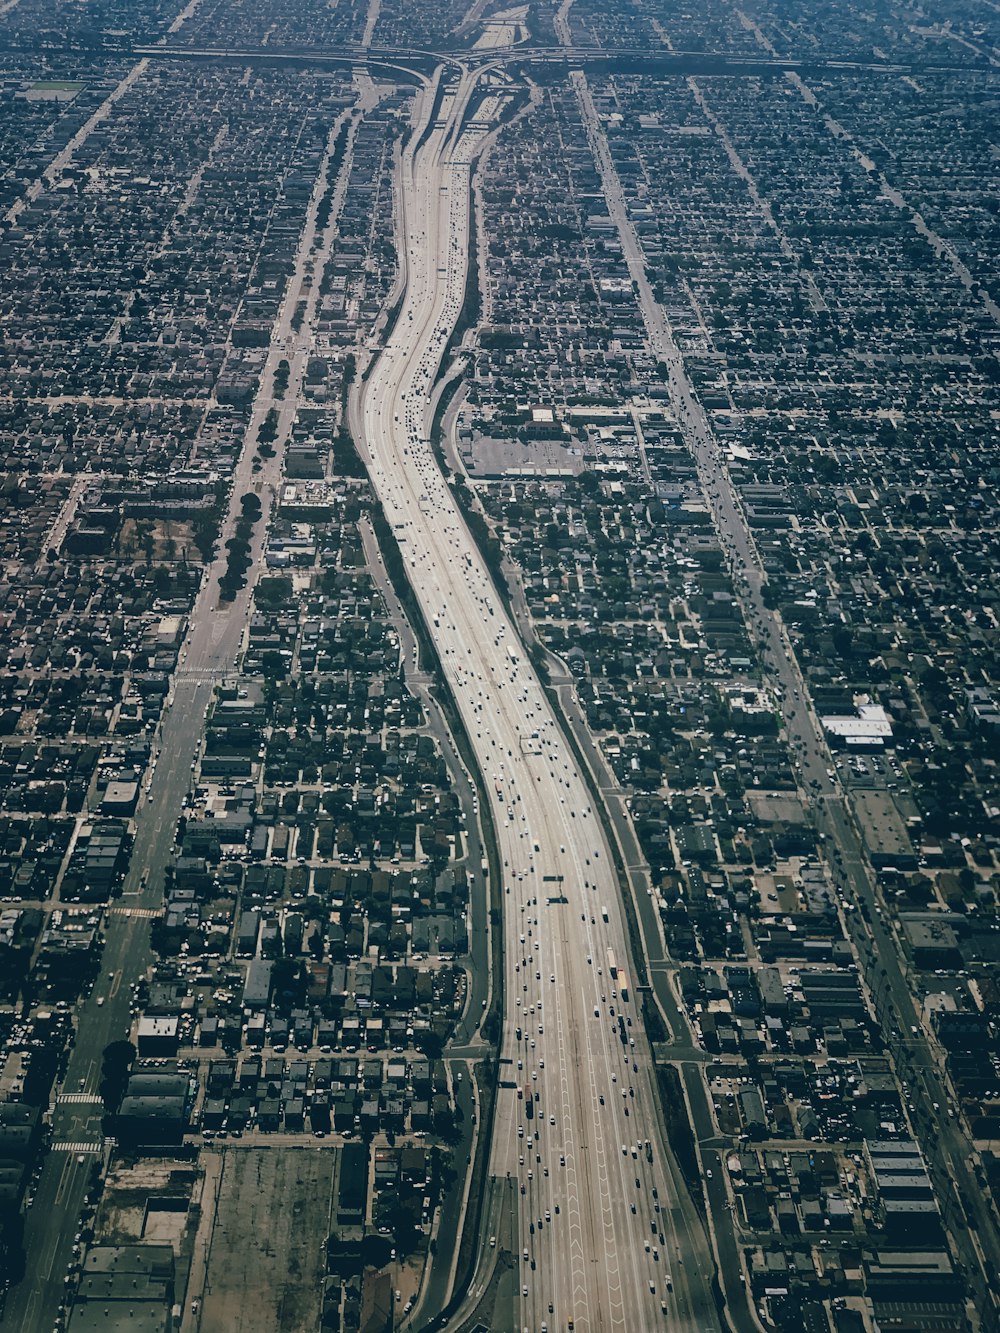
[606, 1235]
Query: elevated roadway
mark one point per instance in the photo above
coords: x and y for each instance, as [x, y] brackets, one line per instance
[606, 1235]
[408, 59]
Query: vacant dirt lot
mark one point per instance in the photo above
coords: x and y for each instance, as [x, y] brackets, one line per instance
[265, 1266]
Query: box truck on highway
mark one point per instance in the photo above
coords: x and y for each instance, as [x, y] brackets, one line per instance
[604, 914]
[612, 965]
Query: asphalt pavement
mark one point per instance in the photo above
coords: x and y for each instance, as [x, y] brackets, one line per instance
[214, 638]
[942, 1137]
[603, 1219]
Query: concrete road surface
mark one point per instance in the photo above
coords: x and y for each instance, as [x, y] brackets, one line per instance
[608, 1236]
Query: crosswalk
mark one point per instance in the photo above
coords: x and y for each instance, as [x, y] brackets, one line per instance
[78, 1099]
[147, 912]
[78, 1147]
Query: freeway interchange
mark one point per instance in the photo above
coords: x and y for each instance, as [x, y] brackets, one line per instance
[607, 1237]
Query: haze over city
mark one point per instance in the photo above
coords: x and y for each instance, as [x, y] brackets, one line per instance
[499, 713]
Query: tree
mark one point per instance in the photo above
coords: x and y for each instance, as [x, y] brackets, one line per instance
[274, 591]
[289, 981]
[843, 640]
[268, 428]
[146, 537]
[272, 665]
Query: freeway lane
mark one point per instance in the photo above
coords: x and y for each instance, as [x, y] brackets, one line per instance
[607, 1234]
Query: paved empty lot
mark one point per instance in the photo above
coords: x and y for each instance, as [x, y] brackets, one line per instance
[265, 1266]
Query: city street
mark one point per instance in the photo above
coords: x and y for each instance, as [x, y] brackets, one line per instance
[210, 649]
[946, 1145]
[499, 708]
